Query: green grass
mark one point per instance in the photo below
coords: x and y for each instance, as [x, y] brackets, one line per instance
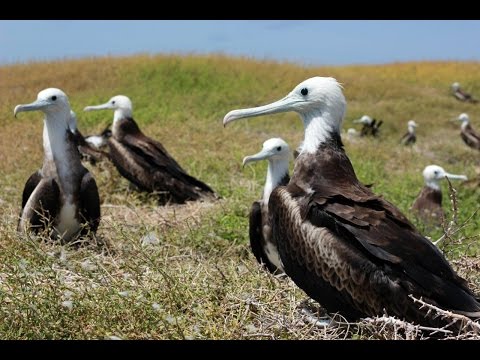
[199, 279]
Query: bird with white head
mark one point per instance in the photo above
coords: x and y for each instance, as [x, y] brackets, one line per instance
[410, 137]
[145, 162]
[277, 152]
[468, 133]
[428, 203]
[349, 249]
[63, 193]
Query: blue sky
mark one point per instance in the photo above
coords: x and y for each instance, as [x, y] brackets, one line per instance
[307, 42]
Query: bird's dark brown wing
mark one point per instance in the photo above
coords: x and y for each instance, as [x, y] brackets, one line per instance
[152, 150]
[257, 242]
[404, 138]
[389, 238]
[30, 185]
[471, 137]
[148, 165]
[89, 204]
[45, 205]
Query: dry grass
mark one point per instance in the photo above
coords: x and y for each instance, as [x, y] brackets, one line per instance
[181, 272]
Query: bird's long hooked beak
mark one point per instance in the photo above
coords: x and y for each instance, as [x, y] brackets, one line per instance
[357, 121]
[455, 177]
[282, 105]
[106, 106]
[262, 155]
[36, 105]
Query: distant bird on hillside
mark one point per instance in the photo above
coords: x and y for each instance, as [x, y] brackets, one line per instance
[62, 197]
[277, 152]
[428, 204]
[462, 95]
[88, 152]
[145, 162]
[410, 138]
[468, 134]
[370, 126]
[349, 249]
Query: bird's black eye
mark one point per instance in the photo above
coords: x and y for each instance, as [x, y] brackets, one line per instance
[54, 98]
[304, 91]
[436, 172]
[113, 102]
[279, 148]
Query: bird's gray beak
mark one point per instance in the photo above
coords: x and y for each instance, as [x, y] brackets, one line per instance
[106, 106]
[36, 105]
[357, 121]
[262, 155]
[279, 106]
[455, 177]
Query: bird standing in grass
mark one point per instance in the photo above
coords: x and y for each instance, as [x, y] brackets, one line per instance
[468, 134]
[428, 204]
[462, 95]
[277, 152]
[61, 198]
[145, 162]
[370, 126]
[410, 138]
[349, 249]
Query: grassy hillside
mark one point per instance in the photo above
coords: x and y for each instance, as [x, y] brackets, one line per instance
[198, 278]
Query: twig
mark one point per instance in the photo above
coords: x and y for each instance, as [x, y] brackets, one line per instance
[448, 232]
[466, 321]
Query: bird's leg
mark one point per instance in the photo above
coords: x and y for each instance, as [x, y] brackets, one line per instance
[310, 315]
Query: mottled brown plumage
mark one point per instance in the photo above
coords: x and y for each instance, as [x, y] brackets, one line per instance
[355, 252]
[349, 249]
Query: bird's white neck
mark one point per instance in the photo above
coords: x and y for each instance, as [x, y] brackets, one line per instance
[277, 169]
[47, 150]
[464, 124]
[318, 129]
[120, 114]
[432, 184]
[411, 129]
[64, 153]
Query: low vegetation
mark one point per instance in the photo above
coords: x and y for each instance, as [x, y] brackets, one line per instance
[186, 271]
